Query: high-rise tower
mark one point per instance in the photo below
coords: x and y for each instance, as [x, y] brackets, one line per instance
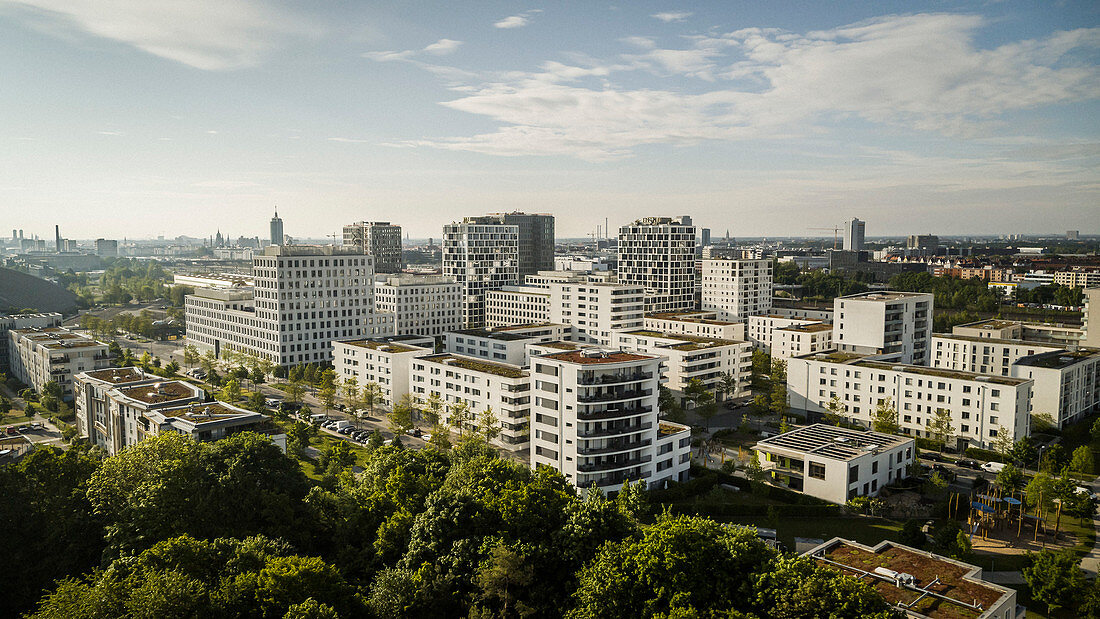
[276, 229]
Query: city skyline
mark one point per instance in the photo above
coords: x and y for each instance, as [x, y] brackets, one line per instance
[945, 119]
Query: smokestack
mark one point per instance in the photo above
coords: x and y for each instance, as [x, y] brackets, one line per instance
[57, 237]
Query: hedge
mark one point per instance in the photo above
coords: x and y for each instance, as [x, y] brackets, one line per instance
[736, 510]
[986, 454]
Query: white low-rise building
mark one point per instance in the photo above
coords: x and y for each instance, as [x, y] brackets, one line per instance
[504, 344]
[594, 418]
[22, 321]
[894, 325]
[983, 355]
[691, 357]
[982, 407]
[798, 340]
[381, 361]
[702, 324]
[835, 464]
[761, 329]
[516, 305]
[479, 384]
[428, 305]
[39, 356]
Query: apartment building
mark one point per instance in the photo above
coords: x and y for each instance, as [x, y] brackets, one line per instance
[516, 305]
[479, 384]
[304, 297]
[213, 280]
[805, 312]
[38, 356]
[691, 357]
[535, 237]
[737, 289]
[22, 321]
[382, 361]
[1055, 334]
[594, 418]
[1067, 383]
[379, 239]
[480, 256]
[658, 255]
[1081, 278]
[894, 325]
[425, 305]
[835, 464]
[761, 329]
[982, 407]
[798, 340]
[119, 407]
[504, 344]
[1091, 337]
[702, 324]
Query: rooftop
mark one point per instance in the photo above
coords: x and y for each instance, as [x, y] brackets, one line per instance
[942, 589]
[667, 427]
[833, 442]
[159, 393]
[990, 324]
[206, 412]
[884, 295]
[940, 373]
[1059, 359]
[119, 376]
[384, 345]
[477, 365]
[562, 345]
[683, 337]
[996, 340]
[815, 327]
[592, 357]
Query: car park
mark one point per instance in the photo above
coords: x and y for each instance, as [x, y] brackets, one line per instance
[345, 431]
[934, 456]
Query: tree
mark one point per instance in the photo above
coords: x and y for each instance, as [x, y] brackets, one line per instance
[295, 390]
[5, 406]
[1009, 478]
[1003, 444]
[401, 419]
[834, 411]
[1054, 578]
[779, 387]
[1041, 422]
[298, 435]
[885, 417]
[912, 534]
[208, 362]
[707, 412]
[231, 392]
[666, 402]
[727, 384]
[1082, 460]
[351, 396]
[257, 376]
[1095, 431]
[458, 415]
[1039, 492]
[441, 438]
[940, 427]
[336, 456]
[172, 368]
[433, 408]
[372, 393]
[503, 578]
[256, 402]
[327, 392]
[489, 425]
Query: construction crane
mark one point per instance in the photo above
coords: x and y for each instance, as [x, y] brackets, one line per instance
[836, 234]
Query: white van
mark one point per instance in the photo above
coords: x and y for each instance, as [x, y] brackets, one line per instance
[993, 467]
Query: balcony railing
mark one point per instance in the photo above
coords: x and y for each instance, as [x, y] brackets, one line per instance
[614, 431]
[616, 479]
[612, 379]
[613, 413]
[615, 395]
[614, 448]
[622, 463]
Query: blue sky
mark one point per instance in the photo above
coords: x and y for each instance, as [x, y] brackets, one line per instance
[135, 118]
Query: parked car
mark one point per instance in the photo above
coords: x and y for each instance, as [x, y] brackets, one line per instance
[1084, 490]
[345, 431]
[970, 464]
[943, 471]
[12, 430]
[414, 432]
[993, 467]
[934, 456]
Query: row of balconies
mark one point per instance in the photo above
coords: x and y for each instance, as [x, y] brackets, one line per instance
[591, 378]
[613, 429]
[612, 464]
[615, 395]
[613, 413]
[614, 446]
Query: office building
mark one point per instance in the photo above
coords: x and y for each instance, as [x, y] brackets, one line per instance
[22, 321]
[381, 361]
[378, 239]
[737, 289]
[38, 356]
[426, 305]
[982, 407]
[658, 255]
[926, 243]
[277, 237]
[304, 297]
[691, 357]
[504, 344]
[535, 237]
[480, 257]
[106, 248]
[594, 418]
[856, 231]
[835, 464]
[895, 325]
[480, 385]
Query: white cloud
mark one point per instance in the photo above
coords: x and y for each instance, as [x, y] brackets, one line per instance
[671, 17]
[443, 47]
[917, 72]
[109, 132]
[516, 21]
[345, 140]
[213, 35]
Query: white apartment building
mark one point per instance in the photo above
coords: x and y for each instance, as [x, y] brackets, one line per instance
[382, 361]
[516, 305]
[119, 407]
[304, 297]
[594, 418]
[737, 289]
[22, 321]
[798, 340]
[213, 280]
[835, 464]
[480, 257]
[379, 239]
[658, 255]
[691, 357]
[480, 384]
[504, 344]
[426, 305]
[38, 356]
[822, 314]
[982, 407]
[1067, 383]
[1079, 278]
[702, 324]
[761, 330]
[1055, 334]
[983, 355]
[1091, 337]
[894, 325]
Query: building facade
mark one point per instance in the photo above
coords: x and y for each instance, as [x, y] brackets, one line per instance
[658, 255]
[691, 357]
[762, 329]
[895, 325]
[702, 324]
[426, 305]
[505, 344]
[379, 239]
[856, 234]
[380, 361]
[737, 289]
[39, 356]
[798, 340]
[535, 238]
[22, 321]
[480, 257]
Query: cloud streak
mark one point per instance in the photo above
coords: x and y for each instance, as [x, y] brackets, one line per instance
[671, 17]
[516, 21]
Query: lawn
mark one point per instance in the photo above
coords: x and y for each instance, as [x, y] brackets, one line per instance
[320, 442]
[868, 531]
[18, 417]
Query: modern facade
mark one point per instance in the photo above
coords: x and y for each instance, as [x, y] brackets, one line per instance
[516, 305]
[594, 418]
[536, 240]
[39, 356]
[895, 325]
[835, 464]
[106, 248]
[22, 321]
[798, 340]
[480, 256]
[691, 357]
[762, 329]
[982, 407]
[426, 305]
[479, 384]
[1091, 317]
[381, 361]
[504, 344]
[658, 255]
[854, 235]
[923, 242]
[702, 324]
[305, 296]
[378, 239]
[1067, 383]
[737, 289]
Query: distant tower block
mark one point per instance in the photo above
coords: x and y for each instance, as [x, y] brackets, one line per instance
[276, 229]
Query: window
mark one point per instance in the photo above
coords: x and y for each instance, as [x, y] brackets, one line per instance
[874, 467]
[853, 473]
[816, 470]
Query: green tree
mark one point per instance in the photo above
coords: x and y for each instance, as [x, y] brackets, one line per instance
[488, 424]
[885, 417]
[834, 411]
[433, 408]
[1055, 579]
[172, 369]
[190, 355]
[295, 390]
[1003, 444]
[336, 456]
[940, 427]
[1095, 431]
[779, 387]
[669, 407]
[401, 419]
[256, 402]
[1082, 460]
[351, 396]
[231, 392]
[372, 393]
[727, 385]
[327, 392]
[1009, 478]
[502, 579]
[1041, 422]
[458, 416]
[707, 411]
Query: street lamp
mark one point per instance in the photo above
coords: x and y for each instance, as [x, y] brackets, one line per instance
[1039, 463]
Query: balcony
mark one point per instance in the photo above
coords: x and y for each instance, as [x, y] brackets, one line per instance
[613, 413]
[59, 359]
[614, 465]
[614, 431]
[614, 395]
[616, 479]
[616, 447]
[612, 379]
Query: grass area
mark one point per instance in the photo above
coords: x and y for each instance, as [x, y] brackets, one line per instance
[869, 531]
[18, 417]
[320, 442]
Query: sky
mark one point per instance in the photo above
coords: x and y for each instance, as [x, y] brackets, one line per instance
[130, 118]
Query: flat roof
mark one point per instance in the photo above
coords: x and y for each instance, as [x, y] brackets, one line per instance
[941, 373]
[383, 345]
[683, 337]
[884, 295]
[814, 327]
[996, 340]
[118, 376]
[989, 324]
[164, 391]
[833, 442]
[668, 427]
[957, 593]
[595, 357]
[1059, 359]
[477, 365]
[206, 412]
